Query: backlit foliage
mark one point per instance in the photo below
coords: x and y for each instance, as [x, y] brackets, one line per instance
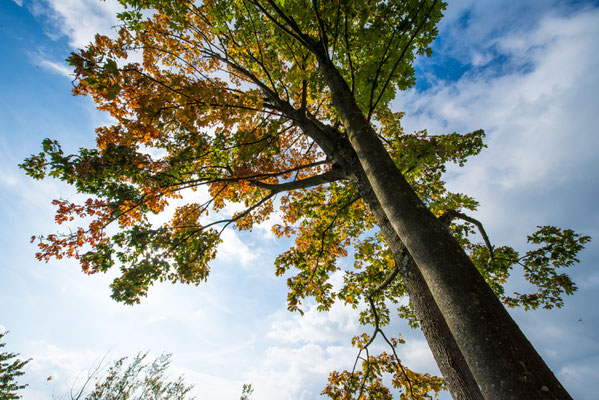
[224, 101]
[412, 385]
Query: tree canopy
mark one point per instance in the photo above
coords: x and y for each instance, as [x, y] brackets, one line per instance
[236, 101]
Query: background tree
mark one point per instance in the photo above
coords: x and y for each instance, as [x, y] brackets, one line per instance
[246, 391]
[10, 369]
[135, 379]
[260, 101]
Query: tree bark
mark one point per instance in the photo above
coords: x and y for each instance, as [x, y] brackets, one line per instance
[449, 358]
[503, 362]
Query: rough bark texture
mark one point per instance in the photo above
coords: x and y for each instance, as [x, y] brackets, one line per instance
[451, 362]
[449, 358]
[502, 360]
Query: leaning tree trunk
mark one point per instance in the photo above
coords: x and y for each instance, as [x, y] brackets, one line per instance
[502, 360]
[451, 362]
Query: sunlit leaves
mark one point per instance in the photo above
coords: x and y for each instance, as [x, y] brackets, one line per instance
[369, 382]
[224, 101]
[373, 262]
[196, 110]
[331, 220]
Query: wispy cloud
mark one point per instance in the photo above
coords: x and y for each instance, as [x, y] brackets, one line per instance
[536, 98]
[296, 372]
[58, 68]
[79, 20]
[302, 351]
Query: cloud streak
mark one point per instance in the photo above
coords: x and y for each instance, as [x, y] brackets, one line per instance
[79, 20]
[57, 68]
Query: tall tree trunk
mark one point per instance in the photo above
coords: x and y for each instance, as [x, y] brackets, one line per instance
[451, 362]
[502, 360]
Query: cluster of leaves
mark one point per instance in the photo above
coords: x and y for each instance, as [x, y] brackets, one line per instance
[10, 369]
[335, 218]
[556, 248]
[542, 267]
[368, 383]
[246, 391]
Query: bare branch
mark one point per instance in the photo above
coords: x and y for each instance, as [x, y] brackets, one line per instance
[349, 60]
[294, 31]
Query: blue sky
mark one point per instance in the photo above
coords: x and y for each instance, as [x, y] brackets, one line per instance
[526, 72]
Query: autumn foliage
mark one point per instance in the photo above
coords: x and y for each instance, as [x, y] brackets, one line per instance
[222, 102]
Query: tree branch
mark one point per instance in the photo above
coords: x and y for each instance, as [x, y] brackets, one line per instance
[321, 28]
[327, 177]
[401, 56]
[448, 216]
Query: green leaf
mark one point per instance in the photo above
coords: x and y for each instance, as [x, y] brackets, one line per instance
[113, 92]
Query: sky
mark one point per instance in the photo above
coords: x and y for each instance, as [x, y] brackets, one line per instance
[525, 72]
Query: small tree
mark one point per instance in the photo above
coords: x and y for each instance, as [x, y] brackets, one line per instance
[10, 369]
[134, 380]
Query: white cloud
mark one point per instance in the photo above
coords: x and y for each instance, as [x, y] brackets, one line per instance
[231, 208]
[537, 101]
[416, 355]
[302, 351]
[209, 386]
[275, 218]
[56, 367]
[480, 59]
[539, 120]
[58, 68]
[233, 249]
[7, 179]
[79, 20]
[296, 372]
[18, 2]
[580, 374]
[469, 26]
[15, 185]
[315, 326]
